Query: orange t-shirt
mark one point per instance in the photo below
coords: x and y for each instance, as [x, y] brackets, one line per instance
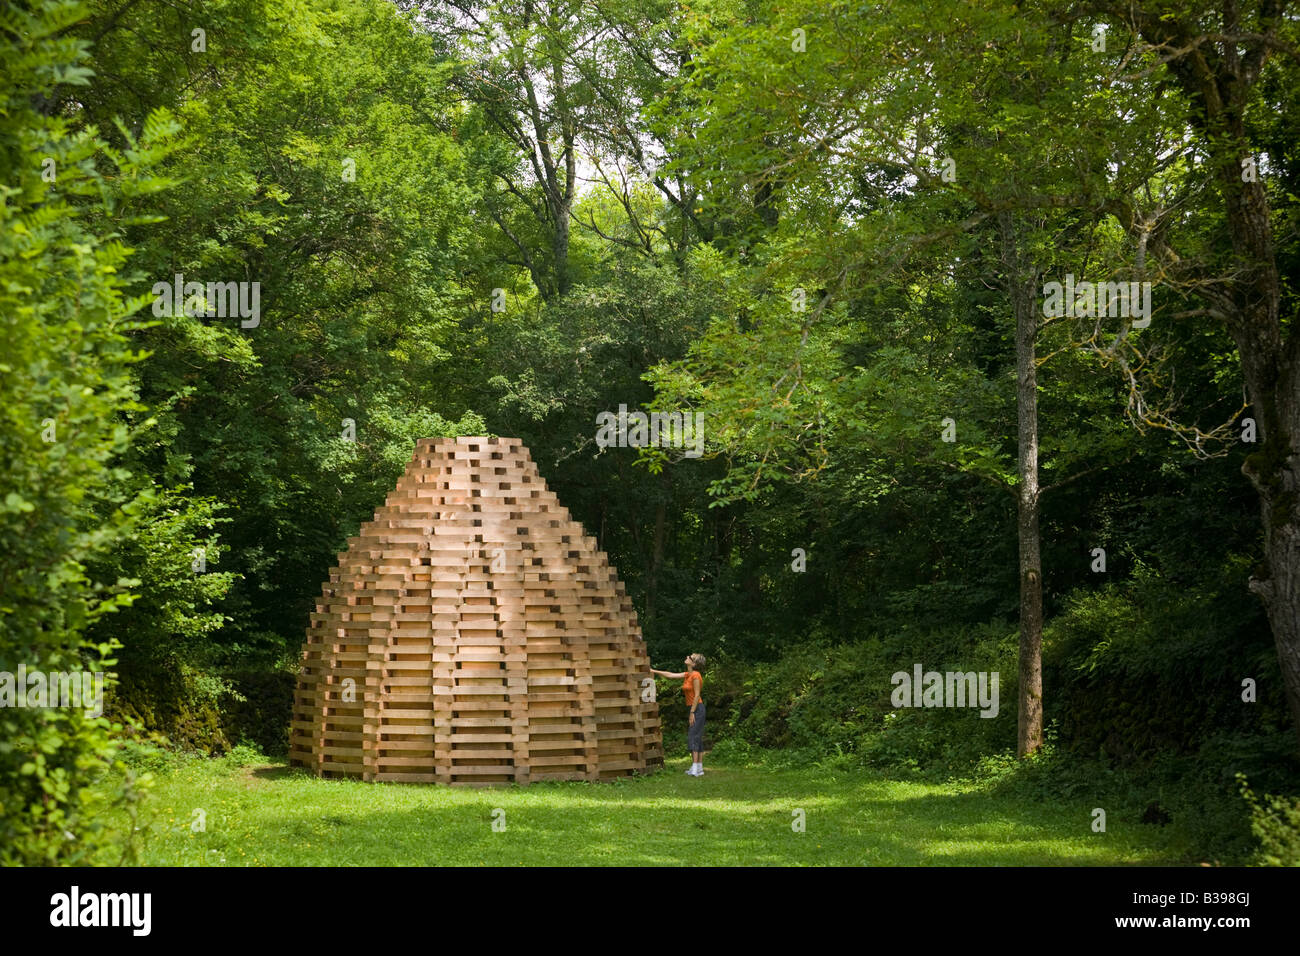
[692, 686]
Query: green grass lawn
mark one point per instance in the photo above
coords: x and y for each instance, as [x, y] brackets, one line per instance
[269, 815]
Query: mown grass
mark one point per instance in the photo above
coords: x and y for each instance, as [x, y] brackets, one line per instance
[265, 814]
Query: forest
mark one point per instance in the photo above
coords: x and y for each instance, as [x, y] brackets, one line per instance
[868, 340]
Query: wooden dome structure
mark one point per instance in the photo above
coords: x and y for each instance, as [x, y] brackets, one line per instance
[472, 633]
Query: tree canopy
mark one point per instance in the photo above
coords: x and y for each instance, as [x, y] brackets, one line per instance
[832, 230]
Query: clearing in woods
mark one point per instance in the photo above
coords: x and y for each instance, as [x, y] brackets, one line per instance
[737, 814]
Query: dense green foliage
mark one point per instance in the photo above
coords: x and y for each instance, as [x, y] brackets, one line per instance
[507, 218]
[67, 393]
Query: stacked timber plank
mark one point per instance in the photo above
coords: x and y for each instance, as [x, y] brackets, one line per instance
[472, 633]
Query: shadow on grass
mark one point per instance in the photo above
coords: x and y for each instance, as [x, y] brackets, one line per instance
[278, 772]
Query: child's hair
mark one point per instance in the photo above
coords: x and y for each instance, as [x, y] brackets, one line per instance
[697, 661]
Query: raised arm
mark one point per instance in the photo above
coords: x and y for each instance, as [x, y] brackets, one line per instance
[669, 674]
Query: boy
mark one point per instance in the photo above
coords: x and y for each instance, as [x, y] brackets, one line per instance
[693, 687]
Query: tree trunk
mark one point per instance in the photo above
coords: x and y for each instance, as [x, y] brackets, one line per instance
[1218, 77]
[1020, 287]
[560, 247]
[656, 557]
[1280, 589]
[563, 194]
[1271, 369]
[1272, 373]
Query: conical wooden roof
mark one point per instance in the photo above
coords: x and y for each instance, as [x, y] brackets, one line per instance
[485, 636]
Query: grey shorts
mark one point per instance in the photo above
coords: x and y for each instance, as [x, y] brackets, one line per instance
[695, 731]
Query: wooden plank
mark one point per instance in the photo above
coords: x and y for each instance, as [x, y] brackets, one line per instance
[464, 671]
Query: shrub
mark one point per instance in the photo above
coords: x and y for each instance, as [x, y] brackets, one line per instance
[1147, 665]
[1275, 822]
[65, 387]
[834, 699]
